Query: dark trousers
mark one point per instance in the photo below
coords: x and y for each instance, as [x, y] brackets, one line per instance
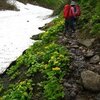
[70, 25]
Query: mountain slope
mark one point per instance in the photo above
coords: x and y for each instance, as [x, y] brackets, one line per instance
[43, 69]
[90, 19]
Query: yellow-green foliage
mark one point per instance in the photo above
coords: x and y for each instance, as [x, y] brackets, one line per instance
[19, 90]
[45, 57]
[1, 87]
[52, 33]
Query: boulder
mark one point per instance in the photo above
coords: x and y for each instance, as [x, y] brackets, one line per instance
[89, 53]
[97, 97]
[97, 68]
[95, 59]
[90, 80]
[87, 42]
[35, 37]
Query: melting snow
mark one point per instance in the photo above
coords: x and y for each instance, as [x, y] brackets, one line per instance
[16, 28]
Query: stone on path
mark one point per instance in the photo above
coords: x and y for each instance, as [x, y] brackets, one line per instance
[95, 59]
[90, 80]
[87, 42]
[89, 53]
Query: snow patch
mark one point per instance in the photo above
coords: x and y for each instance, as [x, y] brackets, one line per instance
[16, 28]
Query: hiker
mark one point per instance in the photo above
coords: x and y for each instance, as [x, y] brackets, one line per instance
[71, 11]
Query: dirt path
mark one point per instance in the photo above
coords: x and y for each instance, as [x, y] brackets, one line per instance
[83, 81]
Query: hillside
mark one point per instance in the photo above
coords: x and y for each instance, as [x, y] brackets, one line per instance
[90, 18]
[6, 6]
[57, 6]
[89, 22]
[57, 67]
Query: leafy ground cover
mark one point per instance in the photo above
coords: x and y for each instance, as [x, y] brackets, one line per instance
[39, 71]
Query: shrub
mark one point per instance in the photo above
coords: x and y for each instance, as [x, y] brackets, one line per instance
[19, 91]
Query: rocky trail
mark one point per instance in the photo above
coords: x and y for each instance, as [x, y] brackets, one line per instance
[83, 81]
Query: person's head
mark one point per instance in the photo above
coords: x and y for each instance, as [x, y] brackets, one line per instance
[73, 3]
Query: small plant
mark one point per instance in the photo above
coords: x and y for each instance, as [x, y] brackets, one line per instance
[1, 87]
[19, 91]
[53, 90]
[52, 33]
[45, 58]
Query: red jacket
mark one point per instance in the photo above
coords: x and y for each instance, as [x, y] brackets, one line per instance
[68, 11]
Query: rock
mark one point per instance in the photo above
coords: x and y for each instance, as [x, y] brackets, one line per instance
[35, 37]
[97, 97]
[74, 46]
[70, 91]
[67, 85]
[75, 88]
[79, 58]
[78, 52]
[27, 20]
[97, 68]
[95, 59]
[62, 40]
[35, 3]
[83, 97]
[83, 50]
[79, 64]
[96, 45]
[73, 94]
[90, 80]
[87, 42]
[72, 50]
[60, 33]
[89, 53]
[71, 67]
[90, 67]
[46, 26]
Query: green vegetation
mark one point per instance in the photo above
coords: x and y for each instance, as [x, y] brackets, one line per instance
[19, 90]
[90, 18]
[39, 71]
[89, 22]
